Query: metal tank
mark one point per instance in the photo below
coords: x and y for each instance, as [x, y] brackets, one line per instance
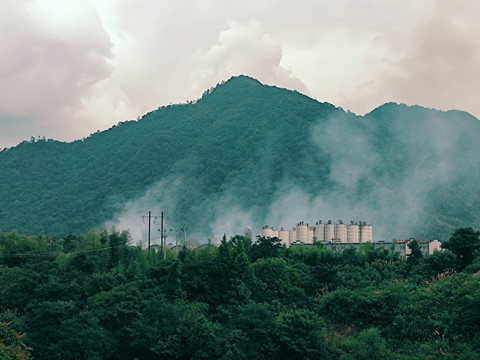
[341, 232]
[302, 232]
[329, 231]
[319, 232]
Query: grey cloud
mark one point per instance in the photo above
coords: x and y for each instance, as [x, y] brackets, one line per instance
[244, 49]
[48, 69]
[440, 66]
[114, 60]
[15, 128]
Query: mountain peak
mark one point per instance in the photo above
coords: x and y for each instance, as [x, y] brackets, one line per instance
[235, 83]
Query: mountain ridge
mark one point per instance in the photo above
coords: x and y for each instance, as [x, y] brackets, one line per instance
[239, 154]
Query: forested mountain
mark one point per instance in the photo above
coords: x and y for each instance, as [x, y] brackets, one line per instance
[246, 154]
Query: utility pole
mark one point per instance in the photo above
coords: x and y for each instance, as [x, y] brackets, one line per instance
[165, 245]
[184, 229]
[149, 226]
[163, 235]
[162, 245]
[176, 242]
[150, 217]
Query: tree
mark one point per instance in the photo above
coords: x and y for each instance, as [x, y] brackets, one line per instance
[300, 335]
[464, 244]
[415, 253]
[369, 345]
[265, 248]
[60, 330]
[175, 331]
[118, 243]
[11, 343]
[254, 331]
[275, 278]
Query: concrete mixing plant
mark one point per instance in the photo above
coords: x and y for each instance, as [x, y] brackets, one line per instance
[340, 236]
[329, 232]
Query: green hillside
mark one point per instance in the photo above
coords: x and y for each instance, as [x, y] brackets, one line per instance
[246, 152]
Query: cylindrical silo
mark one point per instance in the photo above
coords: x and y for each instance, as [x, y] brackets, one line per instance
[284, 237]
[353, 233]
[266, 232]
[367, 233]
[302, 232]
[274, 233]
[329, 231]
[309, 235]
[319, 232]
[292, 236]
[341, 232]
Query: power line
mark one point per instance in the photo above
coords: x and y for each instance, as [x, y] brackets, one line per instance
[47, 254]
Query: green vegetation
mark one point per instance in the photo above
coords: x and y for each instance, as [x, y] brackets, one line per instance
[96, 297]
[245, 146]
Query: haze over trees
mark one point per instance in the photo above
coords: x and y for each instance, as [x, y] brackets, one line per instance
[96, 297]
[241, 154]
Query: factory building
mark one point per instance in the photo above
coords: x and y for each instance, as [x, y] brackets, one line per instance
[427, 247]
[329, 232]
[340, 236]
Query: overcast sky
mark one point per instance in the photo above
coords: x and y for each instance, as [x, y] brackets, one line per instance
[71, 67]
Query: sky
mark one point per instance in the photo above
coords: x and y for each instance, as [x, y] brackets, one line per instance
[71, 67]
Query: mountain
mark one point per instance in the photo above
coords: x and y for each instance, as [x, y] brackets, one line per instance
[245, 155]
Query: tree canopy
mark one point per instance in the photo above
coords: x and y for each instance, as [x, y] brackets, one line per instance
[78, 298]
[465, 245]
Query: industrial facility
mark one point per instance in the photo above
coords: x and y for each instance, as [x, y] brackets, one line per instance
[329, 232]
[340, 236]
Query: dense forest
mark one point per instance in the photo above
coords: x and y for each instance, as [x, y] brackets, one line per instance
[242, 153]
[97, 297]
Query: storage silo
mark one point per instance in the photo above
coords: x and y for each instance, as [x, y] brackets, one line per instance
[309, 234]
[266, 232]
[353, 233]
[319, 231]
[274, 233]
[329, 231]
[302, 232]
[292, 236]
[370, 227]
[341, 232]
[366, 232]
[284, 236]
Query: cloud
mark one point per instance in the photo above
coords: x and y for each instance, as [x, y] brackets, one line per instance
[230, 219]
[438, 66]
[132, 214]
[49, 61]
[441, 68]
[70, 68]
[244, 49]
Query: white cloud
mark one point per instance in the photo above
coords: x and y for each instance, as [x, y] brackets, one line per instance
[440, 66]
[48, 66]
[243, 49]
[69, 68]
